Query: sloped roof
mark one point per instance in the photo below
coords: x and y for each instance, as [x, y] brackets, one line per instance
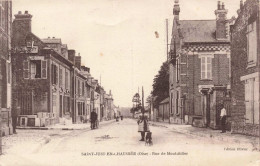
[198, 31]
[165, 101]
[52, 41]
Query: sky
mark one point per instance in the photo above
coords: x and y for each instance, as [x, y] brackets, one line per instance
[116, 38]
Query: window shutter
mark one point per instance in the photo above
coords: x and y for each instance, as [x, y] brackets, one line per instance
[26, 69]
[56, 75]
[44, 69]
[248, 101]
[60, 77]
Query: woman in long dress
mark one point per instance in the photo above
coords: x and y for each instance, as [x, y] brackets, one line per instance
[143, 126]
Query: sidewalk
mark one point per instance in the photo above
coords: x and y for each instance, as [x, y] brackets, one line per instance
[28, 141]
[227, 137]
[67, 126]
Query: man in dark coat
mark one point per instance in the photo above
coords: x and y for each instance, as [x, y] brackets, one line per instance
[15, 112]
[93, 118]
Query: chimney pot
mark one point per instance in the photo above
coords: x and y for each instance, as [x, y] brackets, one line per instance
[241, 4]
[48, 37]
[26, 12]
[223, 6]
[219, 5]
[19, 12]
[53, 37]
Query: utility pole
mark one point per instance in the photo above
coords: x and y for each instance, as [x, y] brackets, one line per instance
[143, 100]
[0, 131]
[167, 53]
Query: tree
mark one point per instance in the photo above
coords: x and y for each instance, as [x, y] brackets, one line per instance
[161, 85]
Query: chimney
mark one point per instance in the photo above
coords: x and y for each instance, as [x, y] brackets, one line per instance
[241, 4]
[221, 21]
[78, 62]
[71, 54]
[219, 5]
[21, 27]
[176, 10]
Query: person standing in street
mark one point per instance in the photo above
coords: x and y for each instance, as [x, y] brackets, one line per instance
[93, 118]
[223, 118]
[143, 126]
[15, 113]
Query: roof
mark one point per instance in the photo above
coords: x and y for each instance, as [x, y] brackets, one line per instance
[52, 41]
[198, 31]
[165, 101]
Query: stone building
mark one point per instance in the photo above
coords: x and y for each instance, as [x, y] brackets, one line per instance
[5, 65]
[199, 64]
[245, 54]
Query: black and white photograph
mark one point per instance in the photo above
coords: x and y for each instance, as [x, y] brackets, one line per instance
[129, 82]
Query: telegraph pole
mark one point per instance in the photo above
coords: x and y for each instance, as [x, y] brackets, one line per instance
[0, 131]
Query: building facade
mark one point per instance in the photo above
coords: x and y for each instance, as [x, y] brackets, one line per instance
[245, 67]
[199, 64]
[42, 75]
[5, 65]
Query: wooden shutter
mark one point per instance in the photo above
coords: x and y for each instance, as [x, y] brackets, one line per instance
[248, 100]
[56, 75]
[44, 69]
[26, 69]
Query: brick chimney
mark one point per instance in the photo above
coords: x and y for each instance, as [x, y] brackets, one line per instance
[21, 27]
[176, 10]
[78, 61]
[221, 22]
[71, 55]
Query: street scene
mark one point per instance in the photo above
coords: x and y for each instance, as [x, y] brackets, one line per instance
[108, 146]
[122, 82]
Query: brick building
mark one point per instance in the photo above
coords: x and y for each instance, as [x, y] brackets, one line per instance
[5, 65]
[42, 78]
[245, 55]
[199, 64]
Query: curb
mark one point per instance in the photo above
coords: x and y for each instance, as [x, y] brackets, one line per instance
[225, 138]
[64, 128]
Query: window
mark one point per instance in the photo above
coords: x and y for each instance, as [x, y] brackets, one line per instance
[177, 70]
[177, 102]
[60, 77]
[2, 15]
[251, 100]
[206, 67]
[35, 69]
[66, 80]
[54, 74]
[79, 87]
[171, 102]
[252, 43]
[26, 69]
[8, 73]
[88, 92]
[83, 90]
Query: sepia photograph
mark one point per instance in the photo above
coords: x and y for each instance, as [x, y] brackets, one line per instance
[129, 82]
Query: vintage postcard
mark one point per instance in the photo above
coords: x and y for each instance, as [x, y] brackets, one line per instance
[129, 82]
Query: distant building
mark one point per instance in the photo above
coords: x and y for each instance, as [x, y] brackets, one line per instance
[245, 54]
[5, 65]
[199, 64]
